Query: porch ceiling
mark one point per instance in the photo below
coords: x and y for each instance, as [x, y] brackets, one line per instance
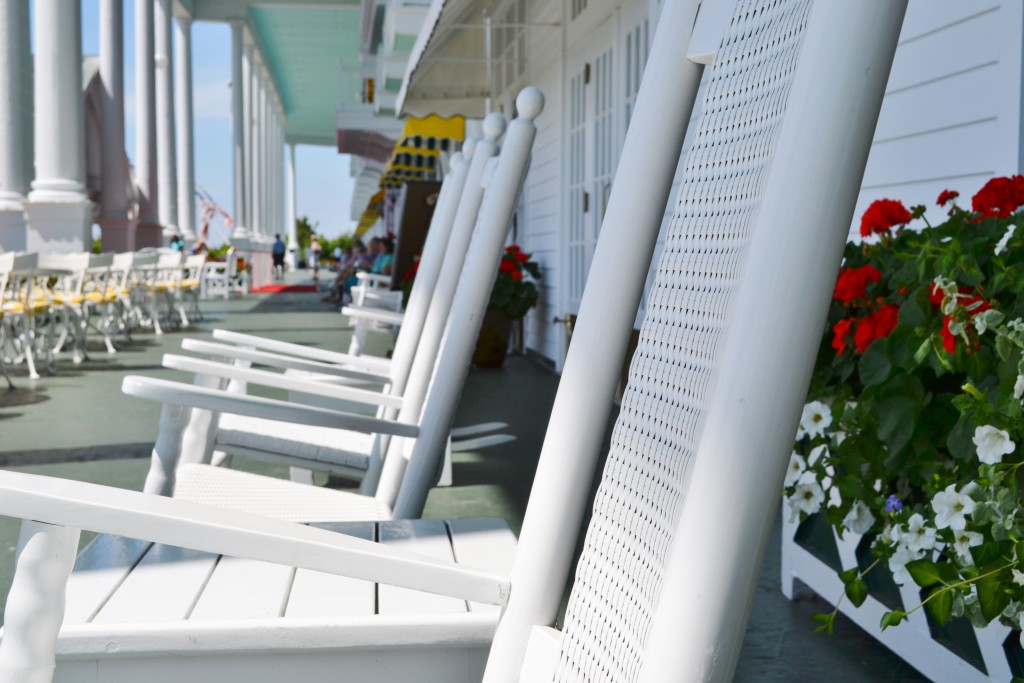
[303, 42]
[446, 74]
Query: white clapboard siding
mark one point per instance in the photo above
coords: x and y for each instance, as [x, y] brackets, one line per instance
[540, 219]
[951, 114]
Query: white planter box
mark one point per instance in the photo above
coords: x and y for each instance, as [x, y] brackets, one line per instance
[938, 654]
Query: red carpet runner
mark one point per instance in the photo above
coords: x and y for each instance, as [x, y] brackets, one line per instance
[279, 288]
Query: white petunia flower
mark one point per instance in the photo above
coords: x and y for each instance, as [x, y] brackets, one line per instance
[918, 536]
[815, 419]
[963, 541]
[834, 497]
[797, 465]
[816, 454]
[898, 563]
[1018, 387]
[992, 444]
[1001, 244]
[859, 519]
[807, 497]
[952, 507]
[1018, 577]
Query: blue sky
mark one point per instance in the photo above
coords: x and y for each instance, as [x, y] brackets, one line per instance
[323, 183]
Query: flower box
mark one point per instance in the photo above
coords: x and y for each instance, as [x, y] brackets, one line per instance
[908, 447]
[957, 653]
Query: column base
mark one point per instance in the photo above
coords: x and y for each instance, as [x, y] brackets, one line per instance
[118, 234]
[170, 231]
[58, 227]
[149, 235]
[13, 229]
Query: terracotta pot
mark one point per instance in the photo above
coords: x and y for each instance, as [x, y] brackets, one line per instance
[492, 344]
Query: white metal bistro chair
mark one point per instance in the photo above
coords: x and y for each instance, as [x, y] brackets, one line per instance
[794, 86]
[29, 319]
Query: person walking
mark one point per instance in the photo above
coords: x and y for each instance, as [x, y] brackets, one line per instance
[277, 252]
[314, 257]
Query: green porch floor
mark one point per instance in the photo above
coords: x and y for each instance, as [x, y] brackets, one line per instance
[77, 424]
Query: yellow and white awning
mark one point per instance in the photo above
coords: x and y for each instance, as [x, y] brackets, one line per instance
[418, 150]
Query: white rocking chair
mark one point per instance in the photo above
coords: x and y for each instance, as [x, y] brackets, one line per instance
[673, 549]
[347, 453]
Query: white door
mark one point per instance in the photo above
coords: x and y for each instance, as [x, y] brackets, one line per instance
[594, 141]
[602, 82]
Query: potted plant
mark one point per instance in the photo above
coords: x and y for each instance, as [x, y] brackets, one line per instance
[910, 436]
[513, 295]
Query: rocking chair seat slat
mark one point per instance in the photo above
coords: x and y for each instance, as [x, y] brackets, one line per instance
[178, 602]
[317, 444]
[246, 492]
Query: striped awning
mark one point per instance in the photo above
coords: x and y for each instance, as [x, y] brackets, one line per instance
[418, 150]
[371, 214]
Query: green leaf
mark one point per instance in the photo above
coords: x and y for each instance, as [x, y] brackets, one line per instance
[827, 621]
[849, 575]
[924, 572]
[893, 618]
[986, 553]
[992, 595]
[960, 441]
[940, 605]
[857, 592]
[874, 365]
[1018, 551]
[896, 422]
[922, 351]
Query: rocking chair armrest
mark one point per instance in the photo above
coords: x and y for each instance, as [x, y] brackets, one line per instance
[370, 363]
[213, 529]
[375, 314]
[375, 278]
[282, 361]
[383, 295]
[177, 393]
[276, 380]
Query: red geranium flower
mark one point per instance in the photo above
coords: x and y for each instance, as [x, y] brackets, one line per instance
[946, 196]
[516, 275]
[999, 197]
[507, 266]
[512, 248]
[852, 283]
[875, 325]
[882, 215]
[521, 256]
[948, 340]
[885, 320]
[839, 333]
[864, 334]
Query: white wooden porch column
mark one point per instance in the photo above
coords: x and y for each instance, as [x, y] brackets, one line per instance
[293, 233]
[238, 125]
[244, 213]
[59, 214]
[147, 233]
[14, 54]
[118, 230]
[183, 99]
[167, 168]
[256, 217]
[279, 226]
